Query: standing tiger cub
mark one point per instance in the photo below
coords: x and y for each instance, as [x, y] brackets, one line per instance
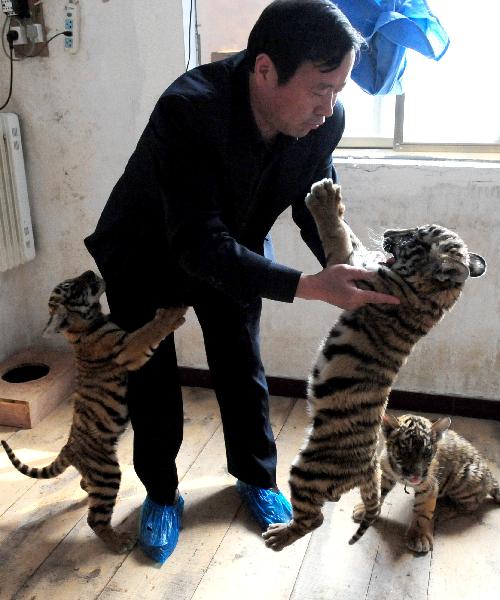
[104, 354]
[435, 462]
[360, 358]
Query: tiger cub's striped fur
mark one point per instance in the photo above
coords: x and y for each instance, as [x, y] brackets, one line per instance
[104, 354]
[435, 462]
[360, 358]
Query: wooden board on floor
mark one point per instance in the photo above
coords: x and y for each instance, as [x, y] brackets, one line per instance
[242, 555]
[377, 566]
[48, 551]
[466, 556]
[64, 559]
[38, 447]
[211, 505]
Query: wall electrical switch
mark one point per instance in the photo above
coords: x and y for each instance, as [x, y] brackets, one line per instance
[16, 8]
[72, 24]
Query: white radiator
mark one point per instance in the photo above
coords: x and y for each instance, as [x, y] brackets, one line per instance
[16, 233]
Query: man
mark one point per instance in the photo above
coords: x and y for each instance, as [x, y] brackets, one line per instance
[228, 147]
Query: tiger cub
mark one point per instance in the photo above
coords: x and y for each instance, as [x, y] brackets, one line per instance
[360, 358]
[435, 462]
[104, 354]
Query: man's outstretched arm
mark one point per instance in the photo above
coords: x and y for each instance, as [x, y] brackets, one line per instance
[337, 285]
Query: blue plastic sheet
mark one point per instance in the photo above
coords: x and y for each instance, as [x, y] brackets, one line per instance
[390, 27]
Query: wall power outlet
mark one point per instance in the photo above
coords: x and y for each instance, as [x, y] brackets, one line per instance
[30, 28]
[72, 23]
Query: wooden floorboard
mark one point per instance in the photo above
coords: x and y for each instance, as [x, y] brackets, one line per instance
[242, 555]
[47, 551]
[212, 504]
[80, 566]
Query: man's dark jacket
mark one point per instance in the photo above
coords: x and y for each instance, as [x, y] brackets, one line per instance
[202, 190]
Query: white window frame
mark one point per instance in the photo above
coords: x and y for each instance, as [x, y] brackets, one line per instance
[398, 143]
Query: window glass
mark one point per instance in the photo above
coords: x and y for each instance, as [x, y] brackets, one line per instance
[367, 116]
[457, 99]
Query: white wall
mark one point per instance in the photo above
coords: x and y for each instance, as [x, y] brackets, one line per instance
[461, 355]
[81, 117]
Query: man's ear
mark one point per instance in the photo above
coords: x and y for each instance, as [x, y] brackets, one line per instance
[264, 69]
[56, 321]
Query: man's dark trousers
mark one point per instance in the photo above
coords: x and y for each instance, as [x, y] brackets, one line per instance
[231, 337]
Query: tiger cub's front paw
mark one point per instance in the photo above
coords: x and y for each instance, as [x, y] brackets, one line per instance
[170, 319]
[325, 200]
[419, 540]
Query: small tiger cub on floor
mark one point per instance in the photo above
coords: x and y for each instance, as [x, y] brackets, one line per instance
[435, 462]
[362, 355]
[104, 354]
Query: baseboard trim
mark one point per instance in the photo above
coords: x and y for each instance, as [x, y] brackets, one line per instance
[479, 408]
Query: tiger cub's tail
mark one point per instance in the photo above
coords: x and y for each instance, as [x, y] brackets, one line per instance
[369, 518]
[56, 467]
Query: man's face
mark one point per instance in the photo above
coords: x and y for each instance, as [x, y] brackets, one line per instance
[301, 104]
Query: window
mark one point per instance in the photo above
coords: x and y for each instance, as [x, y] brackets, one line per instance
[456, 100]
[451, 104]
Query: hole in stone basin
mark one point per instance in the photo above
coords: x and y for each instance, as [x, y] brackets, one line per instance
[24, 373]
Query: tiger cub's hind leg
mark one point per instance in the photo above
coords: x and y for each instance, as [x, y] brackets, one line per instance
[102, 499]
[470, 497]
[369, 511]
[280, 535]
[326, 206]
[306, 516]
[387, 485]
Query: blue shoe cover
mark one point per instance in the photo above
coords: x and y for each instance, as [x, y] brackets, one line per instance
[159, 528]
[266, 505]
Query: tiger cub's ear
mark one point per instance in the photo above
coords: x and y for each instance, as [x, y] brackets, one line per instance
[477, 265]
[389, 424]
[56, 321]
[447, 269]
[440, 426]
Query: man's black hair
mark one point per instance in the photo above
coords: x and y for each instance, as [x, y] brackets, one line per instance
[293, 31]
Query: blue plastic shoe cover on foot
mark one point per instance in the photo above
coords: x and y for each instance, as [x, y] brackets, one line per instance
[266, 505]
[159, 528]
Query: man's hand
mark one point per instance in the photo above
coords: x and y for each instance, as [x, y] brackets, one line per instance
[336, 285]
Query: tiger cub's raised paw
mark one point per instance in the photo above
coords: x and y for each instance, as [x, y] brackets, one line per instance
[170, 319]
[325, 200]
